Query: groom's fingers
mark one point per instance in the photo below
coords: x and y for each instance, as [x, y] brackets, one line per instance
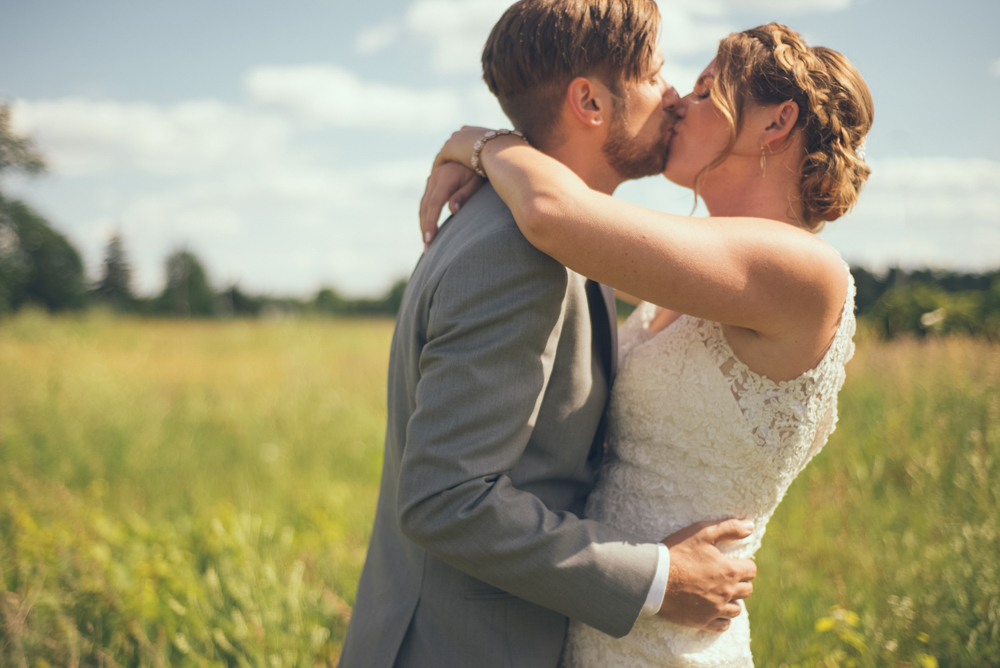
[729, 530]
[719, 625]
[722, 622]
[742, 590]
[744, 570]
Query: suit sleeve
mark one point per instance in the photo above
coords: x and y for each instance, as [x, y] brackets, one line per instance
[492, 331]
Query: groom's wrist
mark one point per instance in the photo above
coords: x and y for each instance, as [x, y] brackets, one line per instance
[657, 590]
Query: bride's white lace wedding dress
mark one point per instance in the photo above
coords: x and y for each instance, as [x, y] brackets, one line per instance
[696, 435]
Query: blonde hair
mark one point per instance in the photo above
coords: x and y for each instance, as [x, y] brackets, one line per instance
[771, 64]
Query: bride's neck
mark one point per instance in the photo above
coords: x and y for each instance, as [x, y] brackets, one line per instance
[774, 195]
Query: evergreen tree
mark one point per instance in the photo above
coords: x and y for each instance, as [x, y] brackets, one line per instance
[115, 286]
[187, 293]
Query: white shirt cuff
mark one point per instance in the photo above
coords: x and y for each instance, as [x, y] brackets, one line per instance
[659, 587]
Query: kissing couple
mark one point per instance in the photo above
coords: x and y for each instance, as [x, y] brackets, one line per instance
[560, 492]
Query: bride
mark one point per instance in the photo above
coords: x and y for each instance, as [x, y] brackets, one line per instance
[730, 367]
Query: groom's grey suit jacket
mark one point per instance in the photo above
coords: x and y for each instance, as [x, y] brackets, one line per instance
[498, 379]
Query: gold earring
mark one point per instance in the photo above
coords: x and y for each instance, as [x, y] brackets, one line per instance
[763, 162]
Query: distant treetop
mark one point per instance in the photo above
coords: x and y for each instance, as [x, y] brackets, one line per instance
[17, 154]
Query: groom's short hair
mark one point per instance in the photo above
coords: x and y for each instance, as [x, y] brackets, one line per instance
[539, 46]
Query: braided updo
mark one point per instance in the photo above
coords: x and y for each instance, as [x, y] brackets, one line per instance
[771, 64]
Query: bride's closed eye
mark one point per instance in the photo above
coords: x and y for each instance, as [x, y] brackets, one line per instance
[703, 89]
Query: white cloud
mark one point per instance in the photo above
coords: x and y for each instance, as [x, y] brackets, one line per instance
[959, 176]
[262, 195]
[802, 6]
[333, 95]
[374, 39]
[937, 212]
[81, 136]
[456, 30]
[685, 33]
[291, 229]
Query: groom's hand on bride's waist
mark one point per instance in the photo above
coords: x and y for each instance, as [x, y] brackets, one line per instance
[704, 586]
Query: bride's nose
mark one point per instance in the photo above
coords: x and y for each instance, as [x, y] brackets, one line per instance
[680, 107]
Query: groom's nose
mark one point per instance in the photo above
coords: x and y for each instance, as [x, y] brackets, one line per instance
[671, 98]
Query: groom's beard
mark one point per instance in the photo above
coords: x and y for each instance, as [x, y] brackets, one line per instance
[629, 156]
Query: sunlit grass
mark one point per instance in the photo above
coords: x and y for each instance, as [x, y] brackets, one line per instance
[273, 416]
[897, 519]
[177, 422]
[148, 467]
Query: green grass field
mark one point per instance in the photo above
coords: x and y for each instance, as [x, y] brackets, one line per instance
[200, 494]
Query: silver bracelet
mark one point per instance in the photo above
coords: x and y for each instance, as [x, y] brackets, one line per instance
[477, 148]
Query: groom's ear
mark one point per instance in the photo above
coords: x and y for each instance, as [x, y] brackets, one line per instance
[781, 119]
[588, 101]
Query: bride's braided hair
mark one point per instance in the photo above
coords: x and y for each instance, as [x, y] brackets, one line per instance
[771, 64]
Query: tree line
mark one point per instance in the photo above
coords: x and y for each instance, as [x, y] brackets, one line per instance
[40, 266]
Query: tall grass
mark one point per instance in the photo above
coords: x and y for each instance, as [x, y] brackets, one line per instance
[147, 464]
[896, 524]
[185, 493]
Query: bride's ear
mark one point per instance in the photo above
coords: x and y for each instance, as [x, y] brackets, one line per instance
[587, 101]
[780, 119]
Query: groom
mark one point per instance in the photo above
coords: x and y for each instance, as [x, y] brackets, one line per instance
[500, 369]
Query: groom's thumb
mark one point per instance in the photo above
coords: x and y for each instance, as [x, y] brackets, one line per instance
[730, 530]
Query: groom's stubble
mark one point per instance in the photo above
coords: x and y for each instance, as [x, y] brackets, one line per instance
[634, 157]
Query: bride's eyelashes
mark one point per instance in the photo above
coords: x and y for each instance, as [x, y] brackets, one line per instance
[706, 86]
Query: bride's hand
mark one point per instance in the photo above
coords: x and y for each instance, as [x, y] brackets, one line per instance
[452, 180]
[449, 182]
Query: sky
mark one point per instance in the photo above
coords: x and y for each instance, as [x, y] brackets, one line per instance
[287, 144]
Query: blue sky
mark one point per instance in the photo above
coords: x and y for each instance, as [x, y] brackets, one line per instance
[287, 143]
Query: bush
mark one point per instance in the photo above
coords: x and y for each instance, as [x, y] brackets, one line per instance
[187, 292]
[329, 302]
[923, 308]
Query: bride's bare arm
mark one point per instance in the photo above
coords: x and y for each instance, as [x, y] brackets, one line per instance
[754, 273]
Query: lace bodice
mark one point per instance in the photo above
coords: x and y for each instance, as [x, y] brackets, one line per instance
[694, 434]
